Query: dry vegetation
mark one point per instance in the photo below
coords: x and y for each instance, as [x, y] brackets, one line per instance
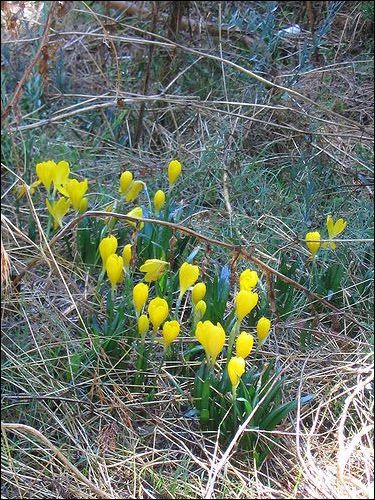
[274, 133]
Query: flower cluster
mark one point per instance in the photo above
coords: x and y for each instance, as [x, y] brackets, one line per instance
[334, 229]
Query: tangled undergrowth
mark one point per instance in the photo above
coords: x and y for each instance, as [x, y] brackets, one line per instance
[201, 326]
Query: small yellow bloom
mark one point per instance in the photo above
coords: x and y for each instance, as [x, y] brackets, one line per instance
[244, 344]
[313, 242]
[61, 174]
[127, 255]
[114, 267]
[245, 303]
[263, 328]
[58, 209]
[174, 171]
[143, 325]
[171, 330]
[107, 247]
[158, 310]
[334, 230]
[125, 181]
[136, 212]
[211, 337]
[133, 191]
[46, 172]
[236, 368]
[76, 191]
[154, 269]
[83, 205]
[200, 310]
[188, 275]
[20, 190]
[159, 200]
[140, 294]
[248, 280]
[198, 292]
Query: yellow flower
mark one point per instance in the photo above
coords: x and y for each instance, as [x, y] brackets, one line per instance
[248, 280]
[188, 275]
[200, 309]
[46, 172]
[114, 267]
[313, 242]
[107, 247]
[334, 230]
[133, 191]
[236, 368]
[143, 325]
[211, 337]
[140, 294]
[127, 255]
[125, 181]
[198, 292]
[58, 209]
[76, 191]
[263, 328]
[244, 344]
[245, 303]
[154, 269]
[136, 212]
[158, 311]
[20, 190]
[83, 205]
[171, 329]
[60, 177]
[159, 200]
[174, 171]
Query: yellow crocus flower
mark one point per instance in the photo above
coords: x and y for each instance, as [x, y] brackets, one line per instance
[248, 280]
[200, 310]
[20, 190]
[198, 292]
[46, 172]
[140, 294]
[61, 175]
[133, 191]
[313, 242]
[334, 230]
[245, 303]
[216, 341]
[174, 171]
[159, 200]
[114, 267]
[263, 329]
[188, 275]
[171, 330]
[143, 325]
[83, 205]
[107, 247]
[154, 269]
[211, 337]
[158, 311]
[236, 368]
[58, 209]
[76, 191]
[136, 212]
[125, 180]
[244, 344]
[127, 255]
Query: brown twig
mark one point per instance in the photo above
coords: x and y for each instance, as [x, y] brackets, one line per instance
[18, 90]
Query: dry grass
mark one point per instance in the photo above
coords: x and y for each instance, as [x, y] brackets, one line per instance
[96, 435]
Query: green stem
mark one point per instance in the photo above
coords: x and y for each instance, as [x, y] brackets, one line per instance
[235, 330]
[140, 362]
